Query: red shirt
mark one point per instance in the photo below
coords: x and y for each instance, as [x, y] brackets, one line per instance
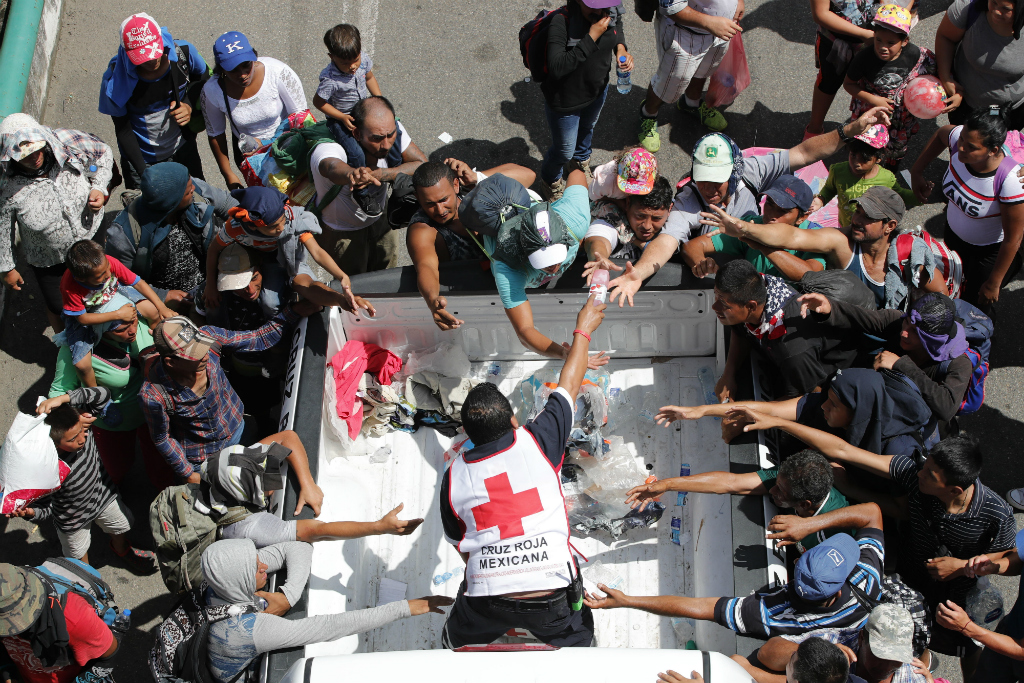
[76, 297]
[89, 639]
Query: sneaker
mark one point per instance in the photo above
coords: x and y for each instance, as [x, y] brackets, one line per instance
[1015, 497]
[553, 191]
[137, 561]
[710, 117]
[649, 138]
[584, 166]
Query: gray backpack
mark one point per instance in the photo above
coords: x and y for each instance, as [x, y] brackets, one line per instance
[183, 527]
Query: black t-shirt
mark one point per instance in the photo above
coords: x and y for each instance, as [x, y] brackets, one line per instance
[883, 76]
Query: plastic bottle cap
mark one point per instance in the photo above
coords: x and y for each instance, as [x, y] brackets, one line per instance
[93, 168]
[127, 612]
[622, 60]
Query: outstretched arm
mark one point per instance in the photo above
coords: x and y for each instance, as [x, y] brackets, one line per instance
[823, 146]
[662, 605]
[788, 529]
[829, 445]
[587, 320]
[828, 241]
[707, 482]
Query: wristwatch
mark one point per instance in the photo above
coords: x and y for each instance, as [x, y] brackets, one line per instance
[843, 137]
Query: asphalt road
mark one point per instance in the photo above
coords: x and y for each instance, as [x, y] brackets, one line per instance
[455, 67]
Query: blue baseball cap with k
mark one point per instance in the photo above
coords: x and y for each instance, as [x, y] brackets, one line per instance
[231, 49]
[821, 572]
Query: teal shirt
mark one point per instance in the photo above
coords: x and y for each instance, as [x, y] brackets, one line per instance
[724, 244]
[574, 209]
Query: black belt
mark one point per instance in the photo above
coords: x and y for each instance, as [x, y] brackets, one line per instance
[541, 604]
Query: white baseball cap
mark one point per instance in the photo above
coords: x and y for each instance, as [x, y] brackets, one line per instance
[712, 160]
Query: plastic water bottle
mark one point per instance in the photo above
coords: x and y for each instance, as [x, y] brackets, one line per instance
[599, 286]
[90, 172]
[985, 604]
[248, 144]
[123, 621]
[624, 83]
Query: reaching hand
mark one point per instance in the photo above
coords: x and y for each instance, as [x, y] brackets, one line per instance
[625, 286]
[612, 598]
[815, 303]
[177, 297]
[719, 219]
[602, 263]
[640, 496]
[27, 513]
[868, 119]
[756, 420]
[306, 308]
[211, 296]
[788, 529]
[595, 361]
[312, 496]
[356, 304]
[391, 524]
[669, 414]
[980, 566]
[431, 603]
[358, 178]
[922, 188]
[590, 316]
[442, 318]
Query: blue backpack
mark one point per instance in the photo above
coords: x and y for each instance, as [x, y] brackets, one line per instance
[979, 329]
[63, 575]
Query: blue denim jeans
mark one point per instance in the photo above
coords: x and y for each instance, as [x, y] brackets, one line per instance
[570, 137]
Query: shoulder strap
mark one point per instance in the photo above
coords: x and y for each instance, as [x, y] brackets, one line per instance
[179, 74]
[332, 194]
[227, 107]
[133, 222]
[486, 253]
[866, 602]
[974, 10]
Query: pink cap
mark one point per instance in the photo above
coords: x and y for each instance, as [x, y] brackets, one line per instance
[877, 136]
[141, 39]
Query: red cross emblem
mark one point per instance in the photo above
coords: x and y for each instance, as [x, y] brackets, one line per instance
[506, 509]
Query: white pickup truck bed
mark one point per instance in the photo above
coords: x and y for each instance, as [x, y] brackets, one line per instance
[659, 346]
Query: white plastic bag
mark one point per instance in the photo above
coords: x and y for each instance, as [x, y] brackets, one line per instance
[444, 359]
[29, 466]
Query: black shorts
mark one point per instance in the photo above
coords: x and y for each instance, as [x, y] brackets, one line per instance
[49, 284]
[830, 78]
[479, 621]
[978, 262]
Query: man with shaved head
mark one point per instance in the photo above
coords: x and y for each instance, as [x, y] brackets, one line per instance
[352, 194]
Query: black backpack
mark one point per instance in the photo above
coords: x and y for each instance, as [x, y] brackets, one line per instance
[533, 42]
[841, 285]
[183, 640]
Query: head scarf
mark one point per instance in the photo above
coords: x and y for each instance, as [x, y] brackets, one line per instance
[122, 81]
[17, 129]
[258, 206]
[876, 413]
[229, 568]
[530, 231]
[116, 302]
[934, 317]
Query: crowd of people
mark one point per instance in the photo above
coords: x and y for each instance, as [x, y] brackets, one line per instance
[172, 312]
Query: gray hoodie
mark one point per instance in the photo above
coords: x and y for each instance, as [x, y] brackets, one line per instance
[229, 567]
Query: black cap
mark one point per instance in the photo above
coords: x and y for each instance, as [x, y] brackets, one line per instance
[789, 192]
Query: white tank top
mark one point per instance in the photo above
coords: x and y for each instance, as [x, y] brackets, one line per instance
[517, 531]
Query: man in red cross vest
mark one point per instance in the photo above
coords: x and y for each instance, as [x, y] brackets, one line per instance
[502, 507]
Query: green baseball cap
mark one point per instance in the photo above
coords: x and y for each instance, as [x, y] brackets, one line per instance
[712, 160]
[22, 597]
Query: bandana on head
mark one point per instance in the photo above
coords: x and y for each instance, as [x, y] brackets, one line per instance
[940, 347]
[772, 323]
[124, 77]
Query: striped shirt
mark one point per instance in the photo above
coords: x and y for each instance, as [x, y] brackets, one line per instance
[986, 526]
[87, 490]
[187, 428]
[776, 613]
[850, 637]
[974, 209]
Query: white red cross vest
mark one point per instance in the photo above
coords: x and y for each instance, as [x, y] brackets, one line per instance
[517, 531]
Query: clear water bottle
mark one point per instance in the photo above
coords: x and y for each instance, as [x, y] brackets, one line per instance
[90, 172]
[985, 604]
[248, 144]
[599, 286]
[624, 83]
[122, 624]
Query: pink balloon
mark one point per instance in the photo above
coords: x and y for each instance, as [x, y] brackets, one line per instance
[925, 97]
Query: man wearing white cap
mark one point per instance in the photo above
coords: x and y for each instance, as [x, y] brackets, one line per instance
[149, 89]
[723, 177]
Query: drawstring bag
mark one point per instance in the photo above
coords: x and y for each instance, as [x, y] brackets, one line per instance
[493, 201]
[732, 76]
